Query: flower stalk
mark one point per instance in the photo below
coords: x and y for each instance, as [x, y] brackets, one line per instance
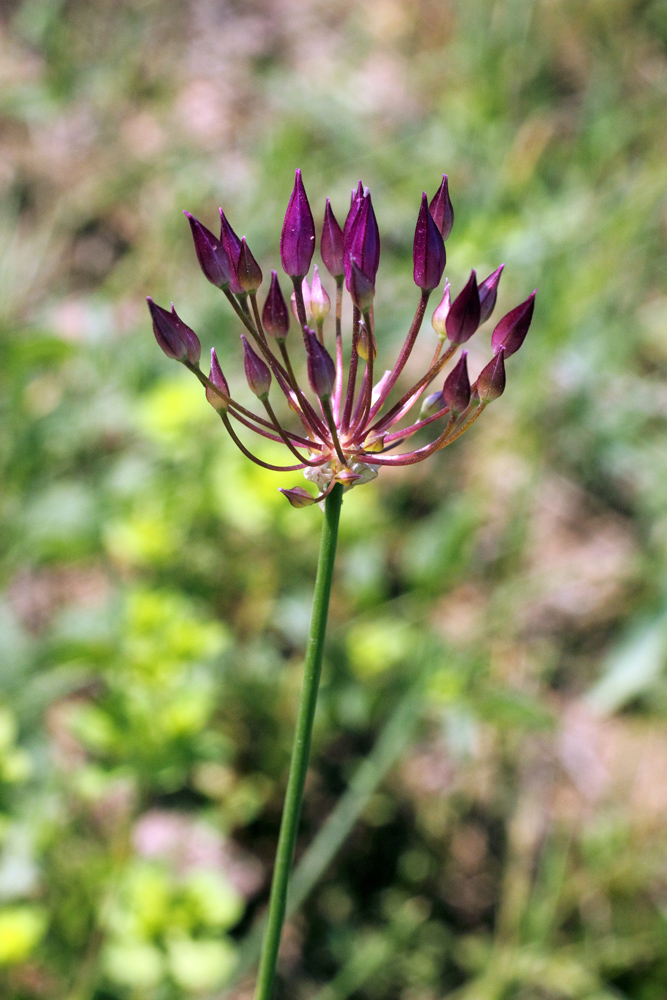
[301, 748]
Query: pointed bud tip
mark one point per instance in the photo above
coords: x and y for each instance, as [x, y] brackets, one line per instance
[297, 496]
[464, 315]
[258, 374]
[178, 341]
[456, 390]
[275, 314]
[442, 210]
[219, 400]
[491, 380]
[297, 239]
[361, 238]
[360, 287]
[320, 365]
[511, 330]
[428, 252]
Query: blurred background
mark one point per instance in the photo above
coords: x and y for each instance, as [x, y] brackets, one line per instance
[486, 809]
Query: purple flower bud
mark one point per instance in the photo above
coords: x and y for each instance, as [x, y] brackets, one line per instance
[432, 403]
[275, 315]
[463, 318]
[491, 380]
[174, 336]
[297, 240]
[439, 317]
[297, 496]
[488, 292]
[248, 270]
[360, 287]
[217, 401]
[511, 331]
[428, 252]
[331, 244]
[320, 303]
[166, 332]
[232, 245]
[357, 196]
[321, 369]
[189, 337]
[362, 242]
[211, 254]
[456, 390]
[441, 209]
[256, 371]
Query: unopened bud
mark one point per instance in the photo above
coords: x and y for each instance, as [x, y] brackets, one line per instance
[441, 209]
[232, 245]
[488, 293]
[256, 371]
[463, 317]
[275, 316]
[491, 380]
[440, 315]
[331, 244]
[297, 240]
[219, 400]
[431, 405]
[356, 198]
[456, 390]
[297, 496]
[347, 477]
[211, 254]
[320, 303]
[428, 252]
[366, 343]
[511, 331]
[374, 443]
[174, 336]
[248, 270]
[362, 240]
[360, 287]
[321, 368]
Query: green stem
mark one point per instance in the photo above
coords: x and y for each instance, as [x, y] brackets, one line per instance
[301, 749]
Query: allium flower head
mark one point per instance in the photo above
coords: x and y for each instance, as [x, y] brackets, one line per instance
[343, 423]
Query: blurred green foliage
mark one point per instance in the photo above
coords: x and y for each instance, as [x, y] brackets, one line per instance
[502, 605]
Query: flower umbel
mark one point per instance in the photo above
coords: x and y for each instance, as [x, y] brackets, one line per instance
[347, 431]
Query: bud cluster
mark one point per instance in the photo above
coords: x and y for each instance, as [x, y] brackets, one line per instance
[347, 432]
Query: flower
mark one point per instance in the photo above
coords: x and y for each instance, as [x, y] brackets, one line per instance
[349, 428]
